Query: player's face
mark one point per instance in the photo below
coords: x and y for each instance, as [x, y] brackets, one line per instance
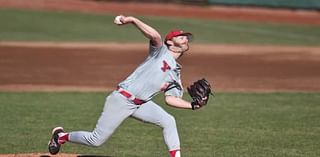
[181, 42]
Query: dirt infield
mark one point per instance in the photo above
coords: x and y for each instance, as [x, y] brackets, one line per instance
[99, 67]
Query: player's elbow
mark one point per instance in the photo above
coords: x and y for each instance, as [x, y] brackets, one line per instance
[156, 40]
[156, 36]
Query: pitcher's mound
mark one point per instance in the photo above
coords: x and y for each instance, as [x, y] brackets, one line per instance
[48, 155]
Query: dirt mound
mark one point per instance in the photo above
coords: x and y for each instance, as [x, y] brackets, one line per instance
[48, 155]
[38, 155]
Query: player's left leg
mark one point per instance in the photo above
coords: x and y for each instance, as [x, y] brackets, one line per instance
[153, 113]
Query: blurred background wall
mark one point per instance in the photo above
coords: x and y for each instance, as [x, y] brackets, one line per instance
[289, 4]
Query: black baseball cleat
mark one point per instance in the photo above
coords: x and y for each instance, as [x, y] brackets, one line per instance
[54, 145]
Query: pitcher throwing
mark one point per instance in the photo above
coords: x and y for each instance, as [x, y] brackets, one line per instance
[160, 72]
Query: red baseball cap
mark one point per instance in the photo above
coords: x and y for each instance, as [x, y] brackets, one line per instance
[176, 33]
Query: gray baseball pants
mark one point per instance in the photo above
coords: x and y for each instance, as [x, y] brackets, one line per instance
[116, 109]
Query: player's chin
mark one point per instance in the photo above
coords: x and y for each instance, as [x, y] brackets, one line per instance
[185, 48]
[183, 51]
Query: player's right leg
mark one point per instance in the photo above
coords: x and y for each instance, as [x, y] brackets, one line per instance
[116, 109]
[58, 137]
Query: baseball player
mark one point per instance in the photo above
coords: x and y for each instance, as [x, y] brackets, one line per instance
[160, 72]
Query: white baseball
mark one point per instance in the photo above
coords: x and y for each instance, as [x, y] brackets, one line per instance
[117, 20]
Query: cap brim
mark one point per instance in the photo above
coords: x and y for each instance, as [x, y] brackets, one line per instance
[189, 36]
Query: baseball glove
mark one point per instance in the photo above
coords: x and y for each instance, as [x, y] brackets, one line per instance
[199, 92]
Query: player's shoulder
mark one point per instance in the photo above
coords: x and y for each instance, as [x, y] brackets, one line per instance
[157, 51]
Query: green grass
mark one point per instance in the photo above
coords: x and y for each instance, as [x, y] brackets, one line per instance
[231, 125]
[23, 25]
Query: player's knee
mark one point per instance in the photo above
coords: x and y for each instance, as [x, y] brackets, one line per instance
[170, 121]
[96, 140]
[96, 144]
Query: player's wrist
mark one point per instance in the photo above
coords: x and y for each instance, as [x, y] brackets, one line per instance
[194, 105]
[132, 19]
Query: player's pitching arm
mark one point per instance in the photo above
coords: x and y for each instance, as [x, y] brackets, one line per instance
[147, 31]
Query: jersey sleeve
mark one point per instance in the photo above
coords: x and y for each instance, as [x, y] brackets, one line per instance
[175, 87]
[174, 92]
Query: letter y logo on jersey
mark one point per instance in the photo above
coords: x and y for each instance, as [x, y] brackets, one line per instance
[165, 66]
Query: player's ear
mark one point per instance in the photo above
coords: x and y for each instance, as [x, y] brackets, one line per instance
[169, 42]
